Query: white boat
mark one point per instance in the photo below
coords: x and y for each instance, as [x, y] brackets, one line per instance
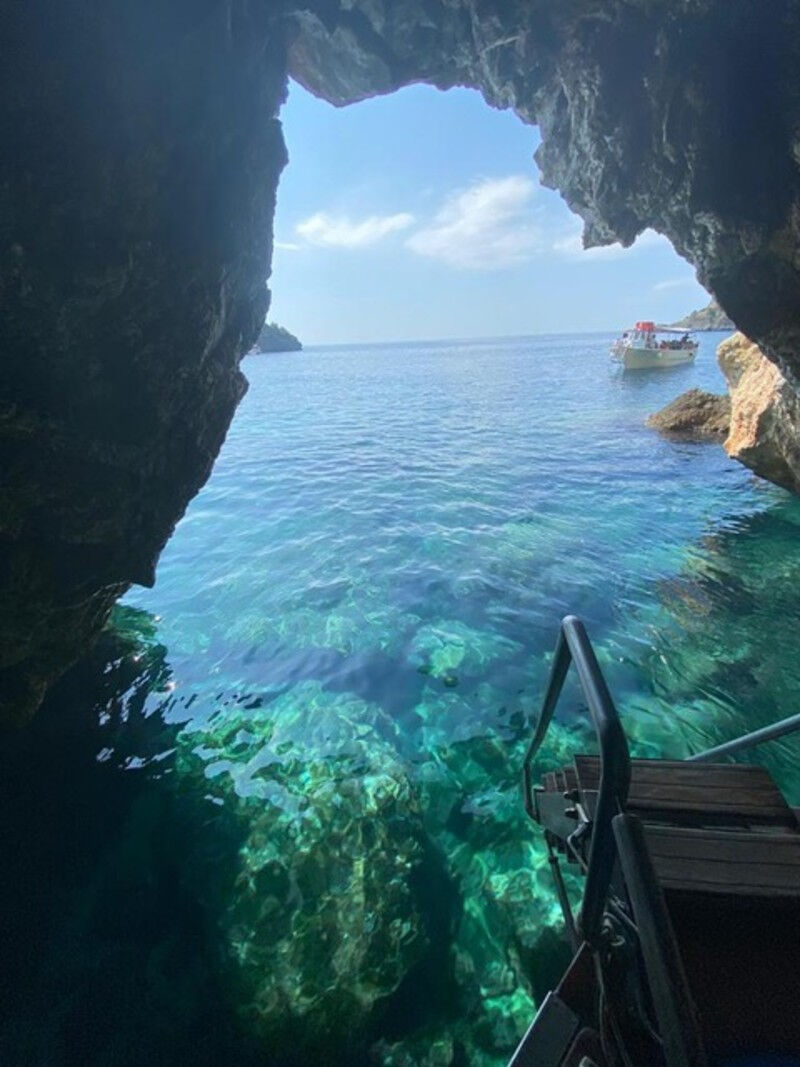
[643, 347]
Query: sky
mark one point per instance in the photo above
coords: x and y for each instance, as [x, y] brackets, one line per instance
[420, 216]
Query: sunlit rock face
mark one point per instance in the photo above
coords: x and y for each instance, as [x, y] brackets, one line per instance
[694, 416]
[765, 413]
[138, 179]
[140, 164]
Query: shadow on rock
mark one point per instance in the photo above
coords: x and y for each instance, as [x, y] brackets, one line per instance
[109, 956]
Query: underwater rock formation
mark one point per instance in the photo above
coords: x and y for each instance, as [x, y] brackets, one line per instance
[694, 416]
[137, 235]
[718, 662]
[360, 873]
[322, 920]
[765, 413]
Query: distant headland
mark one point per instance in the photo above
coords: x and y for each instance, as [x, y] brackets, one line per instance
[274, 338]
[711, 317]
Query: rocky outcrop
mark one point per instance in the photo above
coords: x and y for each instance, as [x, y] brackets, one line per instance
[765, 413]
[274, 338]
[137, 187]
[694, 416]
[711, 317]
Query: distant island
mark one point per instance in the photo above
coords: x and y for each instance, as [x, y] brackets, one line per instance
[711, 317]
[274, 338]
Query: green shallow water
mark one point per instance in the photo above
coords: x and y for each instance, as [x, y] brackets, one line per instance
[275, 817]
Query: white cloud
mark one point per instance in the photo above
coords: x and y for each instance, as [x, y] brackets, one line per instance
[323, 229]
[674, 283]
[485, 227]
[287, 246]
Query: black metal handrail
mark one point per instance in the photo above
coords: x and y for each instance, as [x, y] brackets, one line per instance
[574, 646]
[757, 737]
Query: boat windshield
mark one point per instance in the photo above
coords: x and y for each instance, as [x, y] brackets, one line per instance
[648, 335]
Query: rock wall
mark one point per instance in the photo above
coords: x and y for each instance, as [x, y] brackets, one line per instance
[137, 189]
[137, 186]
[765, 413]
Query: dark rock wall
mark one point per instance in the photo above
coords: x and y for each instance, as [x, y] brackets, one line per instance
[141, 153]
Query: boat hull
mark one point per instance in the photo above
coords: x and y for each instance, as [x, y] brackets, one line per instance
[633, 358]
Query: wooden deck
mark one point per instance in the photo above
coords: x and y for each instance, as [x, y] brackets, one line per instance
[710, 828]
[725, 847]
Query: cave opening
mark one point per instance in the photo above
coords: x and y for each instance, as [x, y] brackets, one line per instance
[274, 815]
[422, 214]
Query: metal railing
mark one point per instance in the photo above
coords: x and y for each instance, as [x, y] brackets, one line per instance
[574, 646]
[757, 737]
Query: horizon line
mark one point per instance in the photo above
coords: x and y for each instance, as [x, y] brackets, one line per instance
[440, 340]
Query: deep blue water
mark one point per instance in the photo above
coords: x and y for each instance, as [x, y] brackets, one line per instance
[329, 689]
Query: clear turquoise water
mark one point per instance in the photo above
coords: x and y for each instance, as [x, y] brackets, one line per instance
[303, 744]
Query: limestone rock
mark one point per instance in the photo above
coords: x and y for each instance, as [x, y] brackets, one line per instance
[710, 318]
[694, 416]
[765, 413]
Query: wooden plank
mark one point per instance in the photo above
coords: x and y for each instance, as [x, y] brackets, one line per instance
[703, 775]
[685, 811]
[731, 879]
[708, 800]
[740, 864]
[571, 778]
[725, 798]
[549, 782]
[721, 790]
[721, 846]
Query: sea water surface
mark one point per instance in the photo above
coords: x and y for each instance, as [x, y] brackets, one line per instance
[275, 818]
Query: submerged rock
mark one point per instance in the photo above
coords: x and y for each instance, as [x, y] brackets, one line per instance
[724, 652]
[694, 416]
[503, 952]
[444, 648]
[765, 413]
[322, 919]
[361, 876]
[430, 1050]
